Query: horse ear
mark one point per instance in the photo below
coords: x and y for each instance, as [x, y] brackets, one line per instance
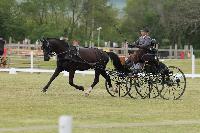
[45, 39]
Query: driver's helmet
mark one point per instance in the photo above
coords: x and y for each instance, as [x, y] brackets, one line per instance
[145, 30]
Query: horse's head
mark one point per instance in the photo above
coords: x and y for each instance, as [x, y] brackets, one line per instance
[52, 46]
[47, 50]
[2, 43]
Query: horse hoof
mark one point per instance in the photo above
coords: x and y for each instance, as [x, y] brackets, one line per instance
[115, 90]
[44, 90]
[86, 94]
[81, 88]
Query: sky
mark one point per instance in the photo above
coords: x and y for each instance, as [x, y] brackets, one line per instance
[118, 3]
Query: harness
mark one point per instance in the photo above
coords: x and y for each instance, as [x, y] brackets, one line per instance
[73, 54]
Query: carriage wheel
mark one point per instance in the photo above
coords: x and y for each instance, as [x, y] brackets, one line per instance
[173, 83]
[118, 83]
[130, 84]
[146, 86]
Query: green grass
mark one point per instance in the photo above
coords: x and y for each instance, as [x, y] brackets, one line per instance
[185, 65]
[23, 105]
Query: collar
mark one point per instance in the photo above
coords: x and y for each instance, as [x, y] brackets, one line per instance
[144, 36]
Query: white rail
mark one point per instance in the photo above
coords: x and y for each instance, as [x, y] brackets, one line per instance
[29, 70]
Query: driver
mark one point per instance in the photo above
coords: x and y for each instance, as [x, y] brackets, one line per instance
[143, 43]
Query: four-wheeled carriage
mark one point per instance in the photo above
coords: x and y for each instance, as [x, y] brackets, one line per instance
[153, 79]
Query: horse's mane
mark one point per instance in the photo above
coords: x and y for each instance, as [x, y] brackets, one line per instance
[57, 39]
[51, 38]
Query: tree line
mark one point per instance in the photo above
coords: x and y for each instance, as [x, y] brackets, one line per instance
[170, 21]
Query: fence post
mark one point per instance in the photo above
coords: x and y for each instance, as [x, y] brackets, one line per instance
[18, 48]
[193, 62]
[170, 52]
[186, 51]
[176, 51]
[126, 49]
[31, 59]
[65, 124]
[193, 65]
[191, 51]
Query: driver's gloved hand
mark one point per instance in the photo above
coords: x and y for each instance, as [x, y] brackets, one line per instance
[138, 46]
[131, 45]
[128, 63]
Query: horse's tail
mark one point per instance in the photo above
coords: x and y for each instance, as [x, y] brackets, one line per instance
[116, 61]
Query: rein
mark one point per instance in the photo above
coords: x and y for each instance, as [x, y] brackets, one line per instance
[59, 53]
[53, 53]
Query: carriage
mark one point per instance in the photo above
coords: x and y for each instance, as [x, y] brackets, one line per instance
[152, 79]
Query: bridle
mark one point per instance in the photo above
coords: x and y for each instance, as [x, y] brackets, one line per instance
[49, 51]
[46, 47]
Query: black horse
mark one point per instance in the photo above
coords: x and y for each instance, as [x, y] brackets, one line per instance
[70, 58]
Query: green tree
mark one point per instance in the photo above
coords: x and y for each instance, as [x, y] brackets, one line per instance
[11, 24]
[97, 13]
[140, 14]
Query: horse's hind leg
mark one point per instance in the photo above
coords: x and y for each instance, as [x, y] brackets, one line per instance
[96, 80]
[71, 82]
[55, 74]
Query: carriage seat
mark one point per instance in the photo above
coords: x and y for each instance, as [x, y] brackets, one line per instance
[150, 56]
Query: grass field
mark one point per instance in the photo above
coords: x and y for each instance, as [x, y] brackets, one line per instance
[24, 109]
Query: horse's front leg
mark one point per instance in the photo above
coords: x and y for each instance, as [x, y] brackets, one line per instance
[71, 82]
[96, 80]
[55, 74]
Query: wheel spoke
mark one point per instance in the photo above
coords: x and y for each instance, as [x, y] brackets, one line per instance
[175, 84]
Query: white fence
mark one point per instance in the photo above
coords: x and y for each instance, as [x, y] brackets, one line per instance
[171, 52]
[31, 69]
